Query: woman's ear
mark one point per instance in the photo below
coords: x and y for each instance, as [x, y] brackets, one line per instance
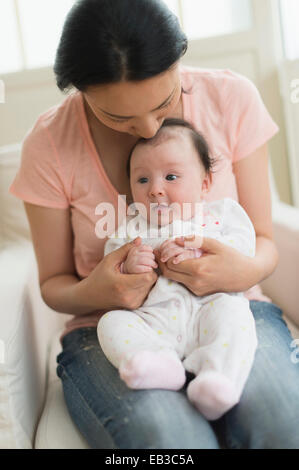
[206, 183]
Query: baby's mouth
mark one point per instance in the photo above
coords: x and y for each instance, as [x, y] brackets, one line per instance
[159, 207]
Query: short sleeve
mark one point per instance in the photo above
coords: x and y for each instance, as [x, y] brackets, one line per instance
[39, 179]
[248, 123]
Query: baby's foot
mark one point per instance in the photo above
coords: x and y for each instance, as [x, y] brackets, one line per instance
[153, 369]
[213, 394]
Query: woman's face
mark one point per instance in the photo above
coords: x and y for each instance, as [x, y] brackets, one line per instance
[136, 108]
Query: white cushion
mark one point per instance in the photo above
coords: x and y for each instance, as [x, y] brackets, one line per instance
[20, 393]
[14, 224]
[56, 429]
[26, 326]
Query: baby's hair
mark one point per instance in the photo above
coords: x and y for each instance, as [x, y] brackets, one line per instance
[199, 142]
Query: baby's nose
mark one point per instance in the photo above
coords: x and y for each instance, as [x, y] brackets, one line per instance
[156, 191]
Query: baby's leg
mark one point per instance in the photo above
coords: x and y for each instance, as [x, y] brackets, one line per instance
[225, 355]
[143, 359]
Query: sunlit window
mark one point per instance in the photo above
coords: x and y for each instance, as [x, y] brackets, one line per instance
[30, 29]
[289, 18]
[207, 18]
[10, 50]
[29, 32]
[41, 25]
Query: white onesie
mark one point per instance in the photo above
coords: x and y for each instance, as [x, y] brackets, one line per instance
[209, 333]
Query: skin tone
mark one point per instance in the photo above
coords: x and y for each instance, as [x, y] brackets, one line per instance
[220, 269]
[136, 109]
[167, 174]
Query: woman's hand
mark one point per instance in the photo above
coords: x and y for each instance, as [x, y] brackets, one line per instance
[170, 249]
[140, 259]
[106, 288]
[220, 268]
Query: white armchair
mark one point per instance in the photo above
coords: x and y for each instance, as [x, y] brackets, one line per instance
[33, 413]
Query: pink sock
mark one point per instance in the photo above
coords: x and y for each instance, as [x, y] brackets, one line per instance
[213, 394]
[153, 369]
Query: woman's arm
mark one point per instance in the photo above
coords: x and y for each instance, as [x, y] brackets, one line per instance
[61, 289]
[252, 177]
[222, 268]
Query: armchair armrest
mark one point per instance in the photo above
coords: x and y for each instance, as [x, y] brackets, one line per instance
[26, 327]
[282, 286]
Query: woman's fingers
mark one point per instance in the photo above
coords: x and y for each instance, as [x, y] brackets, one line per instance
[206, 244]
[137, 259]
[190, 241]
[186, 254]
[170, 252]
[146, 261]
[178, 276]
[146, 248]
[121, 253]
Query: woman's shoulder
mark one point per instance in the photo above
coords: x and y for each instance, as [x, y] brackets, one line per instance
[212, 74]
[54, 122]
[223, 82]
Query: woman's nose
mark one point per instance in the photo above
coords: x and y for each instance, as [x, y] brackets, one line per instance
[148, 127]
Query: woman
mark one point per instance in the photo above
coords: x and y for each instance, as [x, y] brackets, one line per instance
[122, 58]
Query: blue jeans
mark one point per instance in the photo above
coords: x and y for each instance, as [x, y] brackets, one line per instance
[112, 416]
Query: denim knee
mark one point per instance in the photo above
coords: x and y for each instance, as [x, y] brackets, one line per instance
[268, 412]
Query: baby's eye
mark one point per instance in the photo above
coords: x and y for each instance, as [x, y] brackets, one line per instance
[171, 177]
[142, 180]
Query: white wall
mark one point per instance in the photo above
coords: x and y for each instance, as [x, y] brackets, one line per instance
[27, 95]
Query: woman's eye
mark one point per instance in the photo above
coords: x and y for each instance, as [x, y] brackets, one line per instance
[171, 177]
[142, 180]
[119, 120]
[167, 104]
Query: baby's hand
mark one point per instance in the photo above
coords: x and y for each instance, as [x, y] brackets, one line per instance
[170, 249]
[140, 259]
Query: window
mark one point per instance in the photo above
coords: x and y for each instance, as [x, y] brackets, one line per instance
[289, 20]
[29, 32]
[206, 18]
[11, 59]
[32, 28]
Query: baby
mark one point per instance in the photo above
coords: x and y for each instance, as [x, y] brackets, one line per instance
[174, 330]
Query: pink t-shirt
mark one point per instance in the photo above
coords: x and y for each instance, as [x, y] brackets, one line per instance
[60, 166]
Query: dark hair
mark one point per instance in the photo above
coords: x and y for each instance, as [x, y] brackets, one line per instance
[108, 41]
[199, 142]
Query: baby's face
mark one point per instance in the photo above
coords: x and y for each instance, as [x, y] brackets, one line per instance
[167, 173]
